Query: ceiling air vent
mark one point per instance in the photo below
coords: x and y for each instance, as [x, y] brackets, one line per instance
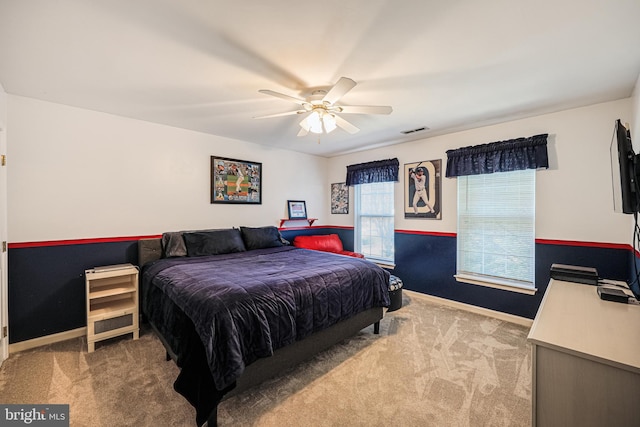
[407, 132]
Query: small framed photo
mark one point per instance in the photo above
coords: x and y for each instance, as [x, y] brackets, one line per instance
[297, 209]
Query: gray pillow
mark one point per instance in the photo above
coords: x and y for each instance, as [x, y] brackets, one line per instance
[261, 237]
[173, 244]
[217, 242]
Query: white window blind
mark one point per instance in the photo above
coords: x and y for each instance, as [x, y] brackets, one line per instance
[374, 225]
[496, 236]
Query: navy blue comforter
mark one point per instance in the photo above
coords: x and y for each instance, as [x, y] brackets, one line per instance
[248, 304]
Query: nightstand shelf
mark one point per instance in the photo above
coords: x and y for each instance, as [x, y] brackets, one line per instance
[105, 309]
[112, 303]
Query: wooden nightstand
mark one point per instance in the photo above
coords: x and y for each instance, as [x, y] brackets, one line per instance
[112, 302]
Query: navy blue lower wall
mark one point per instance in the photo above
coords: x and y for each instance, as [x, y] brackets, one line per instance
[427, 264]
[634, 273]
[47, 289]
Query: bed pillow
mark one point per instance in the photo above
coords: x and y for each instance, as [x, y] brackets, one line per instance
[261, 237]
[173, 244]
[217, 242]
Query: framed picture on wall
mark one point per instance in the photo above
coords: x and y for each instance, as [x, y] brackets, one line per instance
[235, 181]
[297, 209]
[339, 198]
[422, 189]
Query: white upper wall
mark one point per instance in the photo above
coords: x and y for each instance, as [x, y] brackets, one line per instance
[3, 106]
[574, 198]
[3, 170]
[76, 173]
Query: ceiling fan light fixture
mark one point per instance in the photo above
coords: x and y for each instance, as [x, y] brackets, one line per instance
[329, 121]
[314, 122]
[324, 115]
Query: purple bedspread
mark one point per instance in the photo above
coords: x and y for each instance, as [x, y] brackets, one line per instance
[246, 305]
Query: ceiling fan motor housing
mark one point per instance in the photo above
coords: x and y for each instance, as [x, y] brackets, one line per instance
[323, 111]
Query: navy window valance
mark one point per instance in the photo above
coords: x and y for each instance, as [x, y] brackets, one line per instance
[378, 171]
[502, 156]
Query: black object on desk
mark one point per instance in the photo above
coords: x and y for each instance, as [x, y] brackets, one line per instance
[573, 273]
[615, 295]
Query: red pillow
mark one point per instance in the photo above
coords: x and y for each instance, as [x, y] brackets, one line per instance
[326, 243]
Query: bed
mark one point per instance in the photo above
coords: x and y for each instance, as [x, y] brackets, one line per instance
[234, 307]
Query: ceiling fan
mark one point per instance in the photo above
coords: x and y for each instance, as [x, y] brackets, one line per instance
[323, 111]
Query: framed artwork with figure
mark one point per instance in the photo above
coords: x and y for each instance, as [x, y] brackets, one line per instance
[235, 181]
[422, 189]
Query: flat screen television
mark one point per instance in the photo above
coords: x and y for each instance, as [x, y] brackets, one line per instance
[625, 165]
[625, 168]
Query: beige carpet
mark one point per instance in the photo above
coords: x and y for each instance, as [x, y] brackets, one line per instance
[431, 365]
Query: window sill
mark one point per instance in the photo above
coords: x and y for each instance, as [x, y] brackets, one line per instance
[497, 284]
[384, 264]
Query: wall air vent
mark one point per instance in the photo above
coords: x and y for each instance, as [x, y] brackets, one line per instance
[407, 132]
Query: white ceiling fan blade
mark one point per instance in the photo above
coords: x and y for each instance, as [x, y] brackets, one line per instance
[288, 113]
[338, 90]
[365, 109]
[303, 132]
[298, 101]
[346, 125]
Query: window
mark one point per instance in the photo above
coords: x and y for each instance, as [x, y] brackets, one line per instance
[496, 236]
[374, 226]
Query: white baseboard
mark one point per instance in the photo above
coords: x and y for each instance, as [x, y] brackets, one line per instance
[523, 321]
[48, 339]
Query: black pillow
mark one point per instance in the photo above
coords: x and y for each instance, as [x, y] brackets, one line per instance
[200, 243]
[261, 237]
[173, 244]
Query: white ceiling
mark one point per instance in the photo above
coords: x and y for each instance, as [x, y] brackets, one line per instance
[197, 64]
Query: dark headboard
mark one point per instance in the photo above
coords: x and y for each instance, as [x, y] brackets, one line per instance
[149, 250]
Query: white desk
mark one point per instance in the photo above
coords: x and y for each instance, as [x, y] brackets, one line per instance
[585, 359]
